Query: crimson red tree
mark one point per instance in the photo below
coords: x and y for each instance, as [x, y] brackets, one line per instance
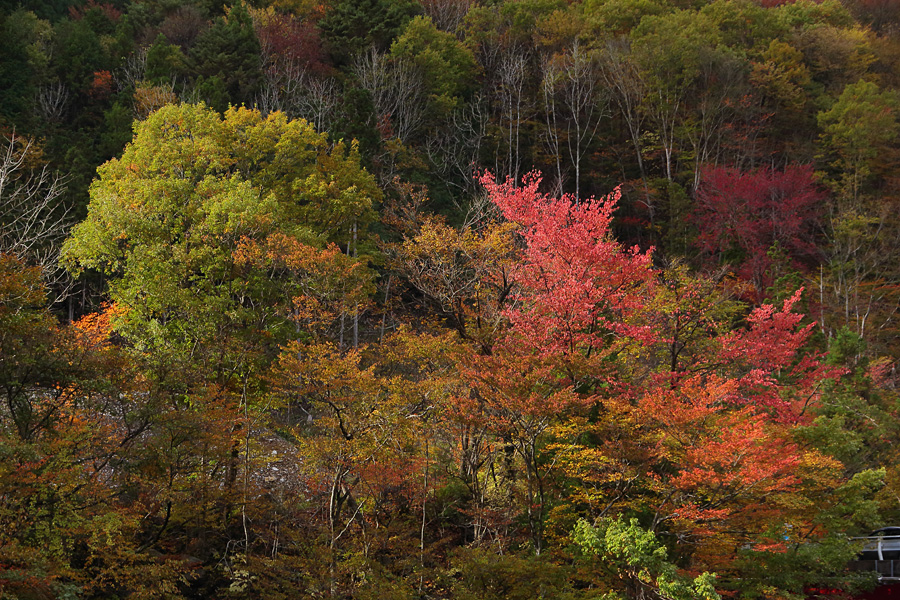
[746, 217]
[576, 293]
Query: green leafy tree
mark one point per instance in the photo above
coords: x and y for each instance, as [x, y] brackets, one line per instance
[167, 221]
[858, 143]
[215, 234]
[17, 80]
[783, 81]
[521, 17]
[619, 16]
[633, 556]
[744, 26]
[448, 66]
[164, 62]
[672, 52]
[230, 51]
[353, 26]
[806, 13]
[77, 53]
[857, 132]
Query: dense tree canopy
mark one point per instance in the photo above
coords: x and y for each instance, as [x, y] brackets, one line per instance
[288, 310]
[171, 221]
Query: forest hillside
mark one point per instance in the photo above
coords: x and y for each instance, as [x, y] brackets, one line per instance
[447, 299]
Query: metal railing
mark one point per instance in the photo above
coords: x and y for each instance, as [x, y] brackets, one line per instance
[881, 554]
[888, 570]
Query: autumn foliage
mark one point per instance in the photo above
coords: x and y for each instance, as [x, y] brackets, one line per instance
[447, 299]
[272, 398]
[745, 217]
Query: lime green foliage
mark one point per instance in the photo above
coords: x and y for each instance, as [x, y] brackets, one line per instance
[447, 65]
[856, 132]
[167, 220]
[639, 560]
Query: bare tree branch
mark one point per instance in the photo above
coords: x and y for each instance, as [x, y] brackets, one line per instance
[132, 71]
[574, 98]
[397, 90]
[455, 148]
[447, 15]
[52, 100]
[512, 75]
[289, 87]
[33, 222]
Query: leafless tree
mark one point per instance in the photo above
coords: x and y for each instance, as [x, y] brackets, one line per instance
[317, 101]
[722, 83]
[290, 87]
[270, 98]
[665, 109]
[550, 74]
[33, 222]
[397, 90]
[573, 96]
[623, 79]
[447, 15]
[514, 104]
[132, 71]
[454, 149]
[627, 88]
[52, 100]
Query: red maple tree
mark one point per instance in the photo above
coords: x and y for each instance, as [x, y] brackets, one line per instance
[744, 216]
